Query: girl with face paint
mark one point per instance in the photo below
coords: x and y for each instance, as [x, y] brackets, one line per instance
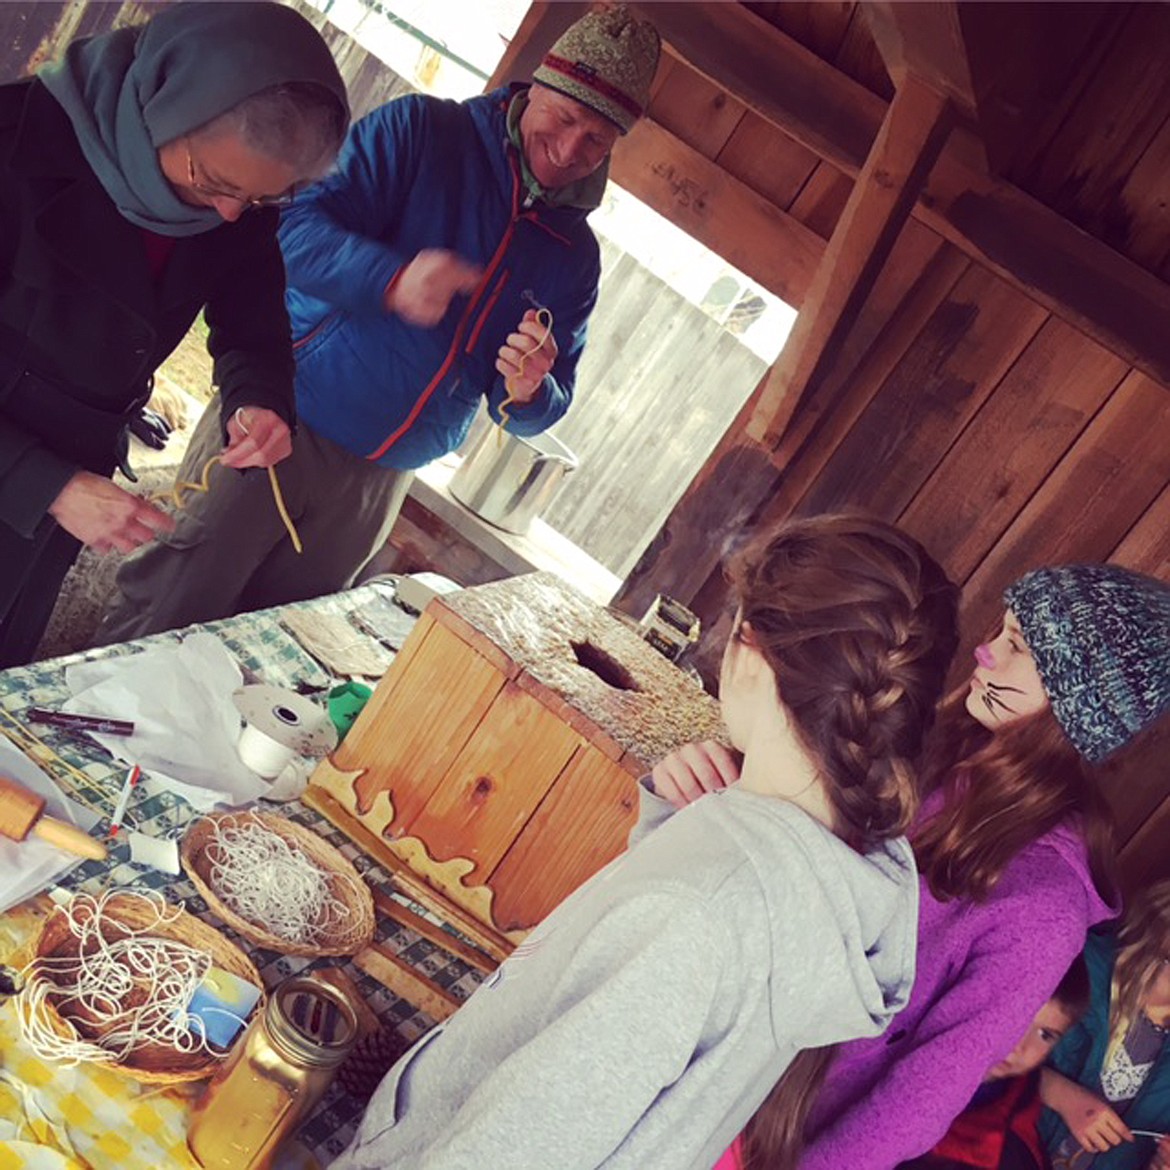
[1006, 685]
[1016, 855]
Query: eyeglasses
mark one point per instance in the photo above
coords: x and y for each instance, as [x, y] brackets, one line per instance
[262, 201]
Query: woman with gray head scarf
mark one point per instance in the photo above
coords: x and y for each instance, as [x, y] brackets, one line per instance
[139, 182]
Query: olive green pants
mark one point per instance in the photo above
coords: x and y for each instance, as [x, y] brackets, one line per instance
[230, 552]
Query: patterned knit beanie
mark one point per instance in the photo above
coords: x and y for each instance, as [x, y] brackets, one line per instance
[1100, 636]
[605, 61]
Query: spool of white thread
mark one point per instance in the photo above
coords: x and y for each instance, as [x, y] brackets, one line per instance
[261, 753]
[280, 724]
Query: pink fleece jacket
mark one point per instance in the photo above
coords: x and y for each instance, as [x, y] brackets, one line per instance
[984, 970]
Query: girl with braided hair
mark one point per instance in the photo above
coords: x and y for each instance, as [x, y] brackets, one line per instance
[1014, 843]
[641, 1024]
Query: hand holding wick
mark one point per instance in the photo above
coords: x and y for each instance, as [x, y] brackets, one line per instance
[257, 437]
[527, 356]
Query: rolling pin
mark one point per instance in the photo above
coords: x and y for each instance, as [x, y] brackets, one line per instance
[20, 814]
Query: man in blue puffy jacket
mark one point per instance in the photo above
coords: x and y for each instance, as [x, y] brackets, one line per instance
[417, 274]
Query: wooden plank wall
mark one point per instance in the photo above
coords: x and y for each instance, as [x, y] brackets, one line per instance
[960, 408]
[1108, 174]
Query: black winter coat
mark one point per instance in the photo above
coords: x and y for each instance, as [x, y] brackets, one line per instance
[83, 328]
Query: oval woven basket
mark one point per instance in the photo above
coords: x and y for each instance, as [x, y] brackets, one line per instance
[157, 1064]
[345, 883]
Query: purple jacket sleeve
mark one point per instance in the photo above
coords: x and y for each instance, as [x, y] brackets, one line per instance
[1027, 935]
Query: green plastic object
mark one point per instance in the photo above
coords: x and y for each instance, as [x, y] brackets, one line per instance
[345, 704]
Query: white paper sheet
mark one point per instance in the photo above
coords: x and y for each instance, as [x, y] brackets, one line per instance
[28, 866]
[185, 724]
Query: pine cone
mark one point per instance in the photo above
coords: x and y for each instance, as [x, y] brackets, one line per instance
[370, 1060]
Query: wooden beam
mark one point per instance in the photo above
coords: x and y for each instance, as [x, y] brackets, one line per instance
[544, 21]
[923, 39]
[903, 153]
[1108, 297]
[774, 75]
[1069, 272]
[731, 219]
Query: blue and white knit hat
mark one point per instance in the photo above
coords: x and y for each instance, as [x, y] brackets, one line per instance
[1100, 636]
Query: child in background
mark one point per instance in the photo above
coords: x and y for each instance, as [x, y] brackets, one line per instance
[999, 1129]
[641, 1024]
[1110, 1076]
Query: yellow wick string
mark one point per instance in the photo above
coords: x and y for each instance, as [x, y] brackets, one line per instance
[278, 496]
[543, 317]
[175, 493]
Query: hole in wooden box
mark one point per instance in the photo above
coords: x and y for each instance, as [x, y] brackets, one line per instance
[605, 666]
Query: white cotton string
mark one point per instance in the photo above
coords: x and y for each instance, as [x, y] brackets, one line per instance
[126, 988]
[273, 885]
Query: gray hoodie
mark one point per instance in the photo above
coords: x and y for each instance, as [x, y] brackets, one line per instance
[645, 1020]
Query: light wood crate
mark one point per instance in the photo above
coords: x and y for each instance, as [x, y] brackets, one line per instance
[498, 758]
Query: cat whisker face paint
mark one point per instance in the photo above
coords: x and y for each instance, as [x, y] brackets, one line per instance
[1006, 685]
[994, 696]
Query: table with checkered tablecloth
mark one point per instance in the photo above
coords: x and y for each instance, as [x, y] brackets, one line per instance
[88, 1116]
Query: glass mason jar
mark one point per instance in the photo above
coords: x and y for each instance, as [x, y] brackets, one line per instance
[274, 1075]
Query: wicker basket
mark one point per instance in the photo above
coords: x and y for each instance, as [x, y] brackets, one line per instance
[345, 883]
[156, 1064]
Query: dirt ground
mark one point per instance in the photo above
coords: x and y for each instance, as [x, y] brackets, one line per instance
[190, 365]
[90, 582]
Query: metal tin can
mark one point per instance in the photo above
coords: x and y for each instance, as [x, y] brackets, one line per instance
[669, 627]
[275, 1074]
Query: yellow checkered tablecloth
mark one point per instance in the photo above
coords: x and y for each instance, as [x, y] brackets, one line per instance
[58, 1118]
[53, 1117]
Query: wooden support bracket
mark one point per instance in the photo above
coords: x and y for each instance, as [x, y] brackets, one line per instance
[905, 150]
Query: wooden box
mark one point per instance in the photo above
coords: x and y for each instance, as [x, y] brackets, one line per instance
[498, 758]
